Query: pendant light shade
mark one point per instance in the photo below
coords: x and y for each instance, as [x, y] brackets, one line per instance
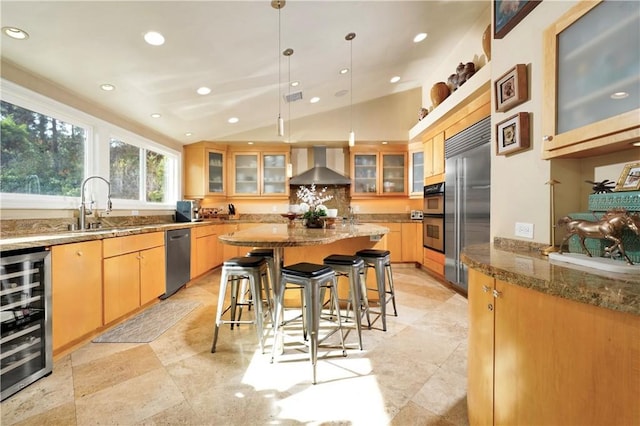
[352, 135]
[279, 4]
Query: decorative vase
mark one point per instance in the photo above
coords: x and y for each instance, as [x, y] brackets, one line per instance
[439, 92]
[486, 42]
[314, 222]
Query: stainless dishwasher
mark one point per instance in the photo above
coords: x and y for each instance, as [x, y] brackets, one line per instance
[178, 260]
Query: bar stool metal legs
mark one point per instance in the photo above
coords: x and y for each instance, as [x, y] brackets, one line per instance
[380, 260]
[353, 268]
[256, 270]
[311, 278]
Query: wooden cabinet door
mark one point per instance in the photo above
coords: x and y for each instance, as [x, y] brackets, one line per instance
[481, 351]
[121, 285]
[438, 154]
[394, 240]
[428, 158]
[207, 249]
[76, 282]
[409, 237]
[393, 174]
[152, 274]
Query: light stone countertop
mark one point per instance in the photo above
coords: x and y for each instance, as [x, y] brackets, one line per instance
[615, 291]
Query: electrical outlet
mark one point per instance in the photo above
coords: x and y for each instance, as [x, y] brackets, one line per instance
[407, 208]
[524, 230]
[135, 212]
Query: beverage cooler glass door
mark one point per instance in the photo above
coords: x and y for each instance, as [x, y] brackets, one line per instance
[25, 313]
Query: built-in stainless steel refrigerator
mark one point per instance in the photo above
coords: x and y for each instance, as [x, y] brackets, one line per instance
[467, 196]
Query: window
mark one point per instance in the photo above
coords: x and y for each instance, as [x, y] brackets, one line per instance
[128, 163]
[40, 154]
[47, 149]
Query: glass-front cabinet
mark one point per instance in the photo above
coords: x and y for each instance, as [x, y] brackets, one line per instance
[260, 174]
[378, 173]
[592, 79]
[416, 177]
[216, 172]
[204, 170]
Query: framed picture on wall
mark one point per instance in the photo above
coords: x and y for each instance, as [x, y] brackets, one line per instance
[508, 13]
[629, 178]
[511, 88]
[512, 134]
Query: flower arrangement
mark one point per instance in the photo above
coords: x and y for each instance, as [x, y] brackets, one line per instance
[312, 201]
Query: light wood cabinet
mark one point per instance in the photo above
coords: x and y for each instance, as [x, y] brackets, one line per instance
[377, 172]
[589, 66]
[394, 240]
[433, 261]
[541, 359]
[134, 273]
[206, 250]
[260, 173]
[76, 283]
[204, 170]
[410, 234]
[434, 159]
[416, 169]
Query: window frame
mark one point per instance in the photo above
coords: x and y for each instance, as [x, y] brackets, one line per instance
[96, 156]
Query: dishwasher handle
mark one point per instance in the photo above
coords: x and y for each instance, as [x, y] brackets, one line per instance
[177, 237]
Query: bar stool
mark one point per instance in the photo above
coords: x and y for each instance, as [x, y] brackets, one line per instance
[352, 267]
[380, 260]
[267, 254]
[311, 278]
[234, 270]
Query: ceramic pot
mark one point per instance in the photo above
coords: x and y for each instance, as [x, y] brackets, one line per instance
[486, 42]
[439, 92]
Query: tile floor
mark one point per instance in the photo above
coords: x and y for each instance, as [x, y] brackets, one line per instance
[413, 374]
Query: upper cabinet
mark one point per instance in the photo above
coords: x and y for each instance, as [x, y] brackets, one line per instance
[260, 173]
[378, 172]
[416, 169]
[592, 80]
[434, 159]
[204, 170]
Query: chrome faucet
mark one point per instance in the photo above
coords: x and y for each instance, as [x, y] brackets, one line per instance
[83, 207]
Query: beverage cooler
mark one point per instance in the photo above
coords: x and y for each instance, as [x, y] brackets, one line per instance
[25, 314]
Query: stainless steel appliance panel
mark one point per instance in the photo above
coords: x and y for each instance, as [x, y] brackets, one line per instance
[467, 202]
[26, 352]
[178, 260]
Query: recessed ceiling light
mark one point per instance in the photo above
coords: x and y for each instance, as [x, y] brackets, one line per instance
[344, 70]
[314, 100]
[341, 93]
[156, 115]
[295, 83]
[636, 144]
[250, 143]
[154, 38]
[395, 79]
[384, 142]
[107, 87]
[419, 37]
[188, 134]
[233, 120]
[203, 90]
[619, 95]
[15, 33]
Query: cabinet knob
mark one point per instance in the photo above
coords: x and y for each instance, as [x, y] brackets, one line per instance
[79, 253]
[490, 307]
[486, 288]
[497, 293]
[547, 138]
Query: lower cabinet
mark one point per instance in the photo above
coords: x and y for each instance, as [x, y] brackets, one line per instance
[134, 273]
[540, 359]
[206, 250]
[412, 242]
[76, 283]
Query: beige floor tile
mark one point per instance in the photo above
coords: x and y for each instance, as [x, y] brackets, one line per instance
[445, 394]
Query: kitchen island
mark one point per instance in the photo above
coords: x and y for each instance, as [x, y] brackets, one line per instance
[550, 343]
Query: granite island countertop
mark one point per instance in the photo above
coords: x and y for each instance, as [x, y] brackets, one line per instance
[615, 291]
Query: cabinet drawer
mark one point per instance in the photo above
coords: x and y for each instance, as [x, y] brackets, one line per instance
[203, 231]
[121, 245]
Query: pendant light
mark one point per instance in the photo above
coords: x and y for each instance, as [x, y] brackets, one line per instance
[352, 136]
[288, 52]
[279, 4]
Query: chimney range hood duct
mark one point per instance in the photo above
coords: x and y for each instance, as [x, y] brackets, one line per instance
[320, 174]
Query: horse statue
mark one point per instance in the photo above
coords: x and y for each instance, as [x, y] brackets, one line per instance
[610, 227]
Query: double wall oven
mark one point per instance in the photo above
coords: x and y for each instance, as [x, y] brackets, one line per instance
[433, 218]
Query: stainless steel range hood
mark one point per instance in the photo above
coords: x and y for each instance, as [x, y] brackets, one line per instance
[320, 174]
